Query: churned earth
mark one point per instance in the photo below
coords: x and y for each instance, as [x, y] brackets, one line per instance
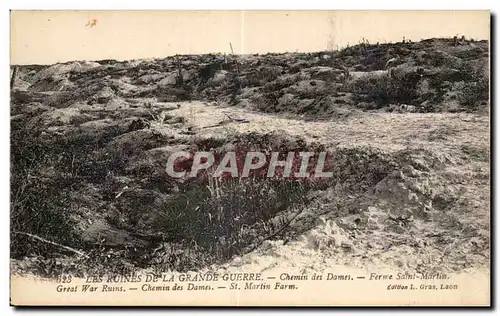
[410, 158]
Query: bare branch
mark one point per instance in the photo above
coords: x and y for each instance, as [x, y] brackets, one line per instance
[52, 243]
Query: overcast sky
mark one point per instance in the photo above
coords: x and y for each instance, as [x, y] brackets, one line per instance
[46, 37]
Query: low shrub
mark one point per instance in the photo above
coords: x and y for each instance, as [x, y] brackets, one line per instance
[384, 90]
[475, 95]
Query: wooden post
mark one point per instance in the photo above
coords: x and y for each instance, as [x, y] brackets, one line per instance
[13, 78]
[179, 82]
[237, 66]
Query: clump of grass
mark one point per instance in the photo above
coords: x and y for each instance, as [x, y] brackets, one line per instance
[38, 198]
[475, 95]
[223, 218]
[386, 89]
[476, 91]
[45, 171]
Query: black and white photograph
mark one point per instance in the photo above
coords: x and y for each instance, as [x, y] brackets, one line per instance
[250, 158]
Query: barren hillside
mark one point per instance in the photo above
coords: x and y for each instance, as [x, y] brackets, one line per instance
[406, 126]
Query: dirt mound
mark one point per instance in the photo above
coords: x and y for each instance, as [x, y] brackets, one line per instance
[430, 76]
[63, 69]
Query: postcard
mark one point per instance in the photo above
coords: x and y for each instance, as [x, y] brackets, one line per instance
[250, 158]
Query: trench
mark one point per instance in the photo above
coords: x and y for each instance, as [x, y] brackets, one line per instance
[204, 221]
[158, 222]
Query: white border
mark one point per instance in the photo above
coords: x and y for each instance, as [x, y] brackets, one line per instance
[256, 4]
